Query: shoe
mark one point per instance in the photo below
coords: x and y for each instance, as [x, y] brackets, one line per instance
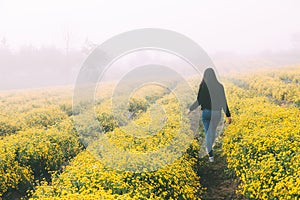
[211, 159]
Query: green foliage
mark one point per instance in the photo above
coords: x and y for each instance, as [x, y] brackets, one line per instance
[107, 122]
[68, 109]
[44, 117]
[9, 126]
[136, 105]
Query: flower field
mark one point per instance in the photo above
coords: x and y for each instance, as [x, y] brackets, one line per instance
[43, 155]
[262, 146]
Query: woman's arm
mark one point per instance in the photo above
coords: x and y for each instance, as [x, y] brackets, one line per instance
[194, 106]
[226, 108]
[196, 103]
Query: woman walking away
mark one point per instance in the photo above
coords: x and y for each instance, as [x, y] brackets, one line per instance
[211, 97]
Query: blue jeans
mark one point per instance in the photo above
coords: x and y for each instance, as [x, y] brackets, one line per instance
[210, 119]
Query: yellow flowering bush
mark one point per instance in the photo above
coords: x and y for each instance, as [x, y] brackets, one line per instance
[34, 153]
[280, 84]
[103, 172]
[12, 173]
[88, 176]
[43, 117]
[8, 125]
[262, 146]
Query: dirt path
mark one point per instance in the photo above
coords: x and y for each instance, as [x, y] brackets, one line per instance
[221, 183]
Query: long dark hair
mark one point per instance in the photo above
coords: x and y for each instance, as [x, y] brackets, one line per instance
[213, 87]
[210, 78]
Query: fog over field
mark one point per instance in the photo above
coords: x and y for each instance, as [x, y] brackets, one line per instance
[44, 43]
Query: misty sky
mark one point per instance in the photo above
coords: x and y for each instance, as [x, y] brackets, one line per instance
[234, 26]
